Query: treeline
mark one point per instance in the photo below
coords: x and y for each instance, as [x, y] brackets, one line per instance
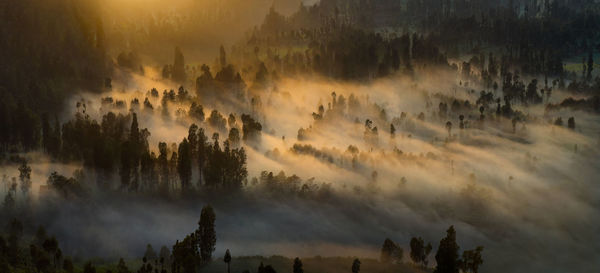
[447, 256]
[329, 38]
[337, 51]
[111, 147]
[195, 251]
[48, 49]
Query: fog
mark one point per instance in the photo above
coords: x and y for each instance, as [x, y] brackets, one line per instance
[148, 27]
[524, 196]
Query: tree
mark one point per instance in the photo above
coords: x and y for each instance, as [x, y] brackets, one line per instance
[185, 255]
[471, 260]
[356, 266]
[134, 152]
[206, 233]
[558, 121]
[15, 232]
[390, 252]
[447, 257]
[571, 123]
[234, 137]
[269, 269]
[178, 73]
[184, 164]
[418, 251]
[40, 236]
[89, 268]
[298, 266]
[203, 151]
[50, 245]
[150, 254]
[449, 128]
[193, 140]
[39, 258]
[125, 170]
[227, 259]
[163, 166]
[25, 177]
[164, 255]
[122, 267]
[222, 57]
[251, 129]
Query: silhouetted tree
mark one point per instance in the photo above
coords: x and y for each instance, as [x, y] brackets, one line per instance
[184, 164]
[297, 268]
[206, 233]
[571, 123]
[419, 251]
[471, 260]
[222, 57]
[203, 153]
[356, 266]
[227, 259]
[449, 128]
[447, 256]
[25, 178]
[178, 73]
[122, 267]
[390, 252]
[150, 254]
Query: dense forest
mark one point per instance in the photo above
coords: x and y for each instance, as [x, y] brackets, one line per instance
[315, 130]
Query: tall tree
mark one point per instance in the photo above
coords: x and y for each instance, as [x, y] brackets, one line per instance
[206, 233]
[390, 252]
[163, 166]
[125, 170]
[203, 151]
[178, 73]
[122, 267]
[150, 254]
[419, 251]
[222, 57]
[135, 152]
[184, 164]
[25, 178]
[471, 260]
[298, 266]
[447, 257]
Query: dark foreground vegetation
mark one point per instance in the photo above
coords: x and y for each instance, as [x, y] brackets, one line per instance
[40, 252]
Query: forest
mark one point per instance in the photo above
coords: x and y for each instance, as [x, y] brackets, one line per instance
[207, 136]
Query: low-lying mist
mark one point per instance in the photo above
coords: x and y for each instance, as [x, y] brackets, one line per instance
[529, 194]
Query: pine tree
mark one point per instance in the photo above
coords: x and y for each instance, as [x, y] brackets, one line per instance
[206, 233]
[447, 257]
[184, 164]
